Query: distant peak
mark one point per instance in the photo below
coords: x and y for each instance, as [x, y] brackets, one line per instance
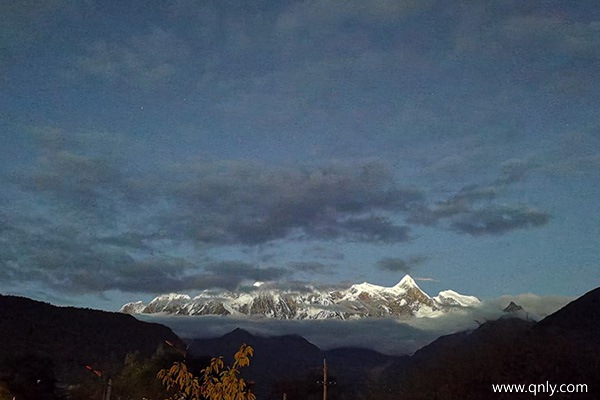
[173, 296]
[239, 333]
[407, 281]
[512, 307]
[366, 286]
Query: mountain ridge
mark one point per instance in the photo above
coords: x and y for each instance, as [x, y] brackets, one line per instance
[292, 364]
[404, 300]
[51, 345]
[564, 347]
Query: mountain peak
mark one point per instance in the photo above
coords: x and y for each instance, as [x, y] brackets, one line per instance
[239, 334]
[512, 307]
[405, 299]
[452, 298]
[366, 287]
[407, 282]
[582, 314]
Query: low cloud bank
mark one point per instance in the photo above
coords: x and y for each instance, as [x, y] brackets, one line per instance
[389, 336]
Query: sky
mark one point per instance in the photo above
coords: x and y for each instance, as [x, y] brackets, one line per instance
[177, 146]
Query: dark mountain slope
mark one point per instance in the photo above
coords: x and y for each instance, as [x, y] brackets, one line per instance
[562, 348]
[276, 359]
[579, 316]
[67, 339]
[290, 364]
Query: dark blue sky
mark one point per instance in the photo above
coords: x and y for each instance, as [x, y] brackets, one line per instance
[174, 146]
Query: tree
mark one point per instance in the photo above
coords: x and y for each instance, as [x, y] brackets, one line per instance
[29, 376]
[219, 382]
[137, 379]
[4, 392]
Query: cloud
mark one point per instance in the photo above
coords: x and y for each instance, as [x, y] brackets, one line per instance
[575, 154]
[387, 335]
[558, 46]
[226, 202]
[70, 260]
[131, 240]
[238, 271]
[513, 170]
[74, 257]
[499, 220]
[425, 279]
[461, 202]
[251, 204]
[89, 222]
[473, 208]
[24, 23]
[90, 225]
[323, 252]
[101, 227]
[143, 60]
[308, 266]
[395, 264]
[374, 229]
[81, 180]
[552, 35]
[467, 198]
[321, 14]
[536, 306]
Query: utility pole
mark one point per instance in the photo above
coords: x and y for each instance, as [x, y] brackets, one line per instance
[325, 382]
[108, 389]
[324, 379]
[106, 394]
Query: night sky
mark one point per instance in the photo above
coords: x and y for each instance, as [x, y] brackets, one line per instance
[175, 146]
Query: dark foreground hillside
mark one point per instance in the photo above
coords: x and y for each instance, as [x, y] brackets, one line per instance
[42, 346]
[293, 366]
[564, 348]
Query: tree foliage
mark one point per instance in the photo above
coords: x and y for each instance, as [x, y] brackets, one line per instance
[218, 381]
[137, 379]
[5, 392]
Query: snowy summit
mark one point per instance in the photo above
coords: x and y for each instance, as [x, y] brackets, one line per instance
[403, 300]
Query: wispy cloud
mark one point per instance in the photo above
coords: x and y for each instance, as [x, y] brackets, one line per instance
[396, 264]
[425, 279]
[498, 220]
[82, 181]
[144, 61]
[251, 204]
[123, 226]
[237, 271]
[324, 252]
[309, 266]
[475, 209]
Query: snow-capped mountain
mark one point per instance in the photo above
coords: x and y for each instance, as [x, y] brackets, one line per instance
[403, 300]
[451, 298]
